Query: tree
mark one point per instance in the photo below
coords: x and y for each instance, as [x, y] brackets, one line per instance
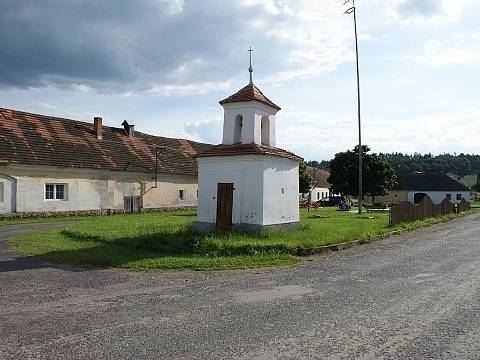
[306, 180]
[378, 175]
[324, 165]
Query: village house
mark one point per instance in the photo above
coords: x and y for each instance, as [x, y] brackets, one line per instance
[50, 164]
[321, 186]
[437, 186]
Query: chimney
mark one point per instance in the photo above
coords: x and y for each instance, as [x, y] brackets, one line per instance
[97, 122]
[129, 129]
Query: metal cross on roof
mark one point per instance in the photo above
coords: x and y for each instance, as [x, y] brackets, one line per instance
[250, 69]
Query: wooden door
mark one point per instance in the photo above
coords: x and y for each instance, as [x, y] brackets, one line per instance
[224, 206]
[128, 204]
[136, 204]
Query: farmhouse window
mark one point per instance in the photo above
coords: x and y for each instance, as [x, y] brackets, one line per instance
[55, 191]
[459, 197]
[1, 192]
[449, 196]
[181, 194]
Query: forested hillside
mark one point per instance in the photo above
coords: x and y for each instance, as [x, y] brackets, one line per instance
[462, 164]
[459, 164]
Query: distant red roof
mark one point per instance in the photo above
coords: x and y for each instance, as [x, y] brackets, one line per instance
[247, 149]
[249, 93]
[320, 177]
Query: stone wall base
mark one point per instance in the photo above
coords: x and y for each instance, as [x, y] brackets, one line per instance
[97, 212]
[206, 227]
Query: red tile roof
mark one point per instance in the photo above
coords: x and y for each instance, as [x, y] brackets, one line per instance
[44, 140]
[247, 149]
[320, 177]
[249, 93]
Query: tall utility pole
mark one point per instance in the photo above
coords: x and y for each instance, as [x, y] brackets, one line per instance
[360, 172]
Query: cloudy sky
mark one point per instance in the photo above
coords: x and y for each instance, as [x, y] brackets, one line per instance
[165, 64]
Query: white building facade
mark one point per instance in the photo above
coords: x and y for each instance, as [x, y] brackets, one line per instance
[246, 182]
[455, 196]
[33, 190]
[437, 186]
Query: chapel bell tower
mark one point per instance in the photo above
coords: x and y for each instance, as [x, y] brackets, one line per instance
[249, 116]
[246, 182]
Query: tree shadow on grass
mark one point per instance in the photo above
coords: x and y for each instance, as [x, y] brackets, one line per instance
[183, 243]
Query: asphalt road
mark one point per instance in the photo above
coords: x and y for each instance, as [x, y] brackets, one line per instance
[413, 296]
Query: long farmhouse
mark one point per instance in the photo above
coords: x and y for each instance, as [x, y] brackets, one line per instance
[50, 164]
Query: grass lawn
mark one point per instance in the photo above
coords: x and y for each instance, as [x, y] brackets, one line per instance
[475, 204]
[470, 180]
[166, 241]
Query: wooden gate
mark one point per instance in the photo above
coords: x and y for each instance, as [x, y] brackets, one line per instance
[224, 206]
[131, 204]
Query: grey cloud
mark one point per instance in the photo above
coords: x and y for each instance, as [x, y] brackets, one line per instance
[422, 8]
[121, 45]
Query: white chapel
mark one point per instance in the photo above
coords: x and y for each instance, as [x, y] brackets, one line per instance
[247, 183]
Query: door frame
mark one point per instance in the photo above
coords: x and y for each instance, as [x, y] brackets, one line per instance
[9, 203]
[224, 193]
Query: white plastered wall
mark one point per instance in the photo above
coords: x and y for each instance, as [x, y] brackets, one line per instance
[258, 182]
[438, 196]
[7, 193]
[319, 193]
[89, 189]
[245, 172]
[252, 113]
[280, 191]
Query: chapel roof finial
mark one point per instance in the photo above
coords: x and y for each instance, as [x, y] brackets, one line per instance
[250, 69]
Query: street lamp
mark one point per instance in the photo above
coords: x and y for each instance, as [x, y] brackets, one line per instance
[352, 10]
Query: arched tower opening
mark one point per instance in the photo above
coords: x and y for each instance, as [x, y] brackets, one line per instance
[265, 130]
[237, 135]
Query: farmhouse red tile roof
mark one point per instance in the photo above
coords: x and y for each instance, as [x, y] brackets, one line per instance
[44, 140]
[320, 177]
[247, 149]
[249, 93]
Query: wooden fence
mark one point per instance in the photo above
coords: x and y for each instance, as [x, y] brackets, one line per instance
[463, 206]
[407, 212]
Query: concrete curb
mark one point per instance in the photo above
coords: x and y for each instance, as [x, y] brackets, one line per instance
[317, 250]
